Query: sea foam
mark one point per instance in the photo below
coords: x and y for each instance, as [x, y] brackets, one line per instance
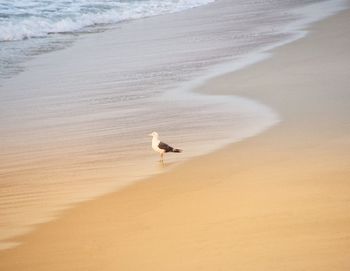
[20, 20]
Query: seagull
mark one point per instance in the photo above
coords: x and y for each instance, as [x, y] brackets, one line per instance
[161, 147]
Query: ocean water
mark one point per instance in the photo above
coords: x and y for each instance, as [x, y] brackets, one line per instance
[83, 82]
[49, 21]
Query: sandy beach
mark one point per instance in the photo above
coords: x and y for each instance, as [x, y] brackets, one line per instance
[276, 201]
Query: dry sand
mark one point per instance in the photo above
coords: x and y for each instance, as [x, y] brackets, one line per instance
[278, 201]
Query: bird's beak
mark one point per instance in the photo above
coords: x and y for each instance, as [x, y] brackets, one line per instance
[150, 134]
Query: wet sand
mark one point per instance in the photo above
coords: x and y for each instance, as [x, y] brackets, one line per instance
[277, 201]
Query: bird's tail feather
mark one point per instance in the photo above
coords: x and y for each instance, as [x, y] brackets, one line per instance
[177, 150]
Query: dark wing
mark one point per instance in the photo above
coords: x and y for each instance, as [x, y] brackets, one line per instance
[165, 147]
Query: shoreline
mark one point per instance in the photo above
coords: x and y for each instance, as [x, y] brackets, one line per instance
[200, 192]
[35, 152]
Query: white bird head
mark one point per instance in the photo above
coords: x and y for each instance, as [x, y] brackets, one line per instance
[154, 134]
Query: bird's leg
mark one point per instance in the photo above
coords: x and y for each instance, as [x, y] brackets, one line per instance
[161, 157]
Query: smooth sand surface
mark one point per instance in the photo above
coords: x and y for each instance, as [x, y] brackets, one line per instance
[278, 201]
